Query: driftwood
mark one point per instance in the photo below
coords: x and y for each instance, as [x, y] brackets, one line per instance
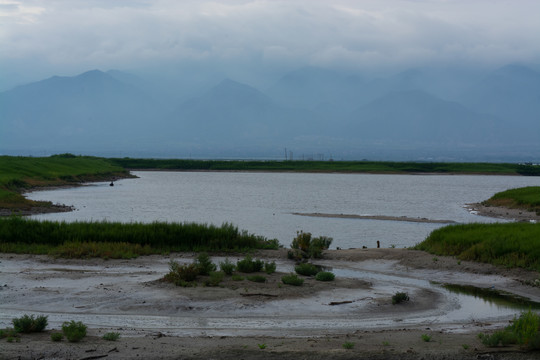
[341, 302]
[259, 294]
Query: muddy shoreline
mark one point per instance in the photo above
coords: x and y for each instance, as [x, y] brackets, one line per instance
[518, 215]
[376, 217]
[160, 320]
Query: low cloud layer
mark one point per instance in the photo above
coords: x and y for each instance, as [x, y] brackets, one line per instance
[67, 37]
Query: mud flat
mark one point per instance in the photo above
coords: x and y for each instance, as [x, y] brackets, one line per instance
[244, 319]
[377, 217]
[503, 213]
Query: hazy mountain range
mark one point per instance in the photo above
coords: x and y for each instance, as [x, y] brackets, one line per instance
[417, 114]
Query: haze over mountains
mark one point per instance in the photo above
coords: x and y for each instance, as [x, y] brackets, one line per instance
[418, 114]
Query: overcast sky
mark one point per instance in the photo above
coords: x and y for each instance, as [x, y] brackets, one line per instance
[41, 38]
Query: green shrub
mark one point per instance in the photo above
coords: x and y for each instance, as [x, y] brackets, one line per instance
[523, 330]
[500, 337]
[111, 336]
[204, 264]
[292, 279]
[304, 247]
[306, 269]
[8, 332]
[74, 331]
[180, 274]
[270, 267]
[426, 337]
[237, 277]
[248, 265]
[216, 277]
[325, 276]
[227, 267]
[28, 324]
[56, 336]
[257, 278]
[399, 297]
[348, 345]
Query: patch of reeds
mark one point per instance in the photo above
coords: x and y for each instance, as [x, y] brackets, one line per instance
[122, 240]
[508, 244]
[526, 198]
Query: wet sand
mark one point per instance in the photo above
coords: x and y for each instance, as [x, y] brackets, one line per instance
[251, 320]
[499, 212]
[377, 217]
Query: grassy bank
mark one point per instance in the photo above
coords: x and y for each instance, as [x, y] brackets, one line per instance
[527, 198]
[329, 166]
[510, 244]
[19, 174]
[121, 240]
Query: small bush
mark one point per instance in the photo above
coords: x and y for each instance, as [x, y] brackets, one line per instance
[180, 274]
[29, 324]
[306, 269]
[9, 332]
[227, 267]
[270, 267]
[426, 337]
[216, 277]
[237, 277]
[325, 276]
[248, 265]
[304, 247]
[399, 297]
[111, 336]
[74, 331]
[257, 278]
[57, 336]
[204, 264]
[292, 279]
[348, 345]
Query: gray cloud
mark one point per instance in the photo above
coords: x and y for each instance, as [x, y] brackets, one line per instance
[62, 37]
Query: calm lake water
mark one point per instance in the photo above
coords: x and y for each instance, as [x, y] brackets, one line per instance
[263, 203]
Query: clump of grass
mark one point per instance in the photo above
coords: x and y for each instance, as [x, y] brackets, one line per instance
[261, 346]
[523, 330]
[248, 265]
[227, 267]
[304, 246]
[111, 336]
[237, 277]
[204, 264]
[270, 267]
[348, 345]
[400, 297]
[257, 278]
[292, 279]
[306, 269]
[325, 276]
[426, 337]
[57, 336]
[29, 323]
[181, 274]
[216, 277]
[74, 331]
[123, 240]
[8, 333]
[506, 244]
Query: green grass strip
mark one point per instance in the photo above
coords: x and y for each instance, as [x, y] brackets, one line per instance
[328, 166]
[509, 244]
[115, 239]
[527, 198]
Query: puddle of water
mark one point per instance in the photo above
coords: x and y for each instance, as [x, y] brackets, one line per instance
[493, 297]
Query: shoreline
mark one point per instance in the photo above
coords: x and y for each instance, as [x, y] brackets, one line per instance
[498, 212]
[123, 296]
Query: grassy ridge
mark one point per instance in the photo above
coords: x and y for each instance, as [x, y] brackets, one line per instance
[114, 239]
[509, 244]
[527, 198]
[328, 166]
[22, 173]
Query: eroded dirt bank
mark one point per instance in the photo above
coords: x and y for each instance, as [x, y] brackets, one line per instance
[244, 319]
